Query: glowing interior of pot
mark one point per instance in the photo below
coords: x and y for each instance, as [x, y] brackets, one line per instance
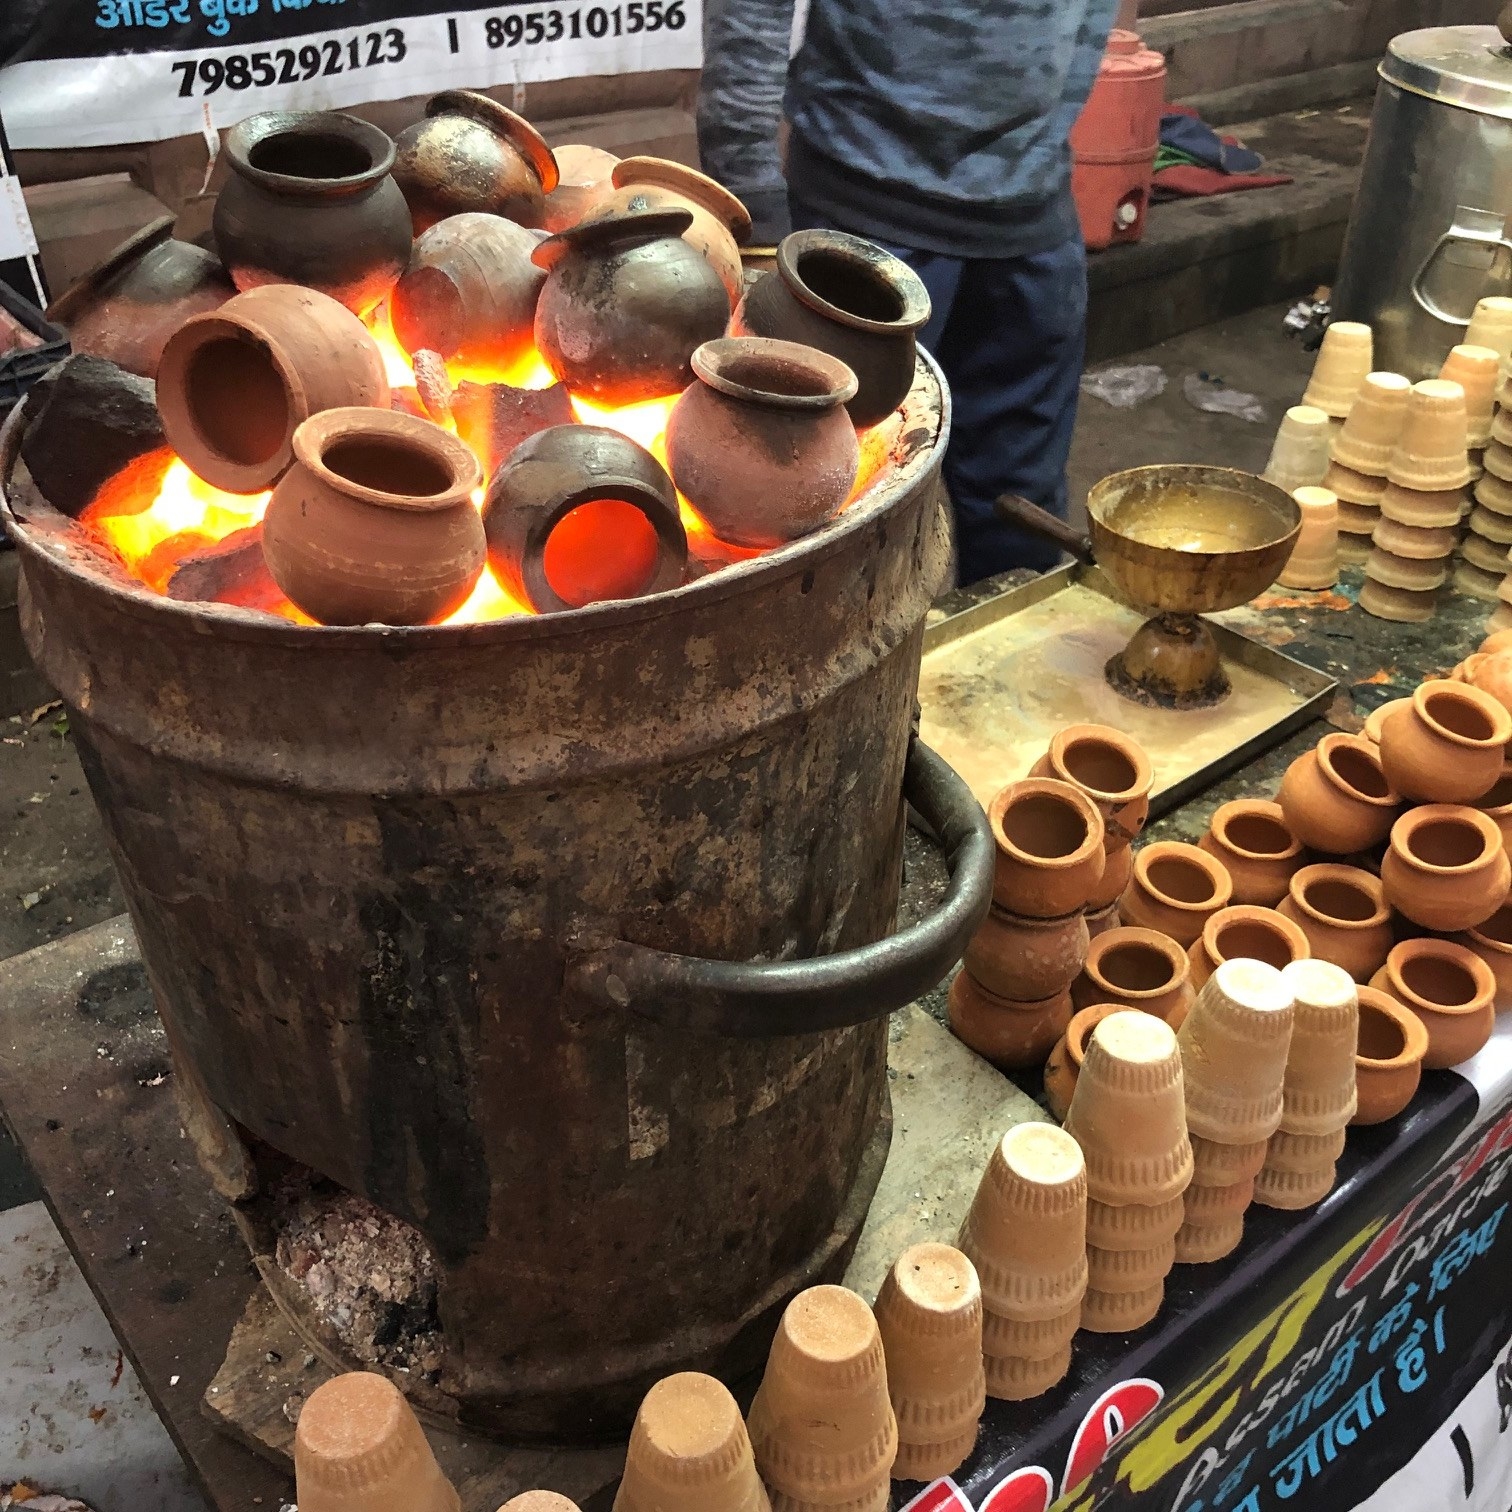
[158, 513]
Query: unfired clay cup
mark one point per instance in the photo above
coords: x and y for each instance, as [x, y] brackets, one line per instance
[1370, 434]
[1354, 490]
[1412, 573]
[1427, 509]
[1399, 606]
[1341, 367]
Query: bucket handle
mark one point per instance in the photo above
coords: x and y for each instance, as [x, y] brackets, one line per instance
[1484, 228]
[765, 999]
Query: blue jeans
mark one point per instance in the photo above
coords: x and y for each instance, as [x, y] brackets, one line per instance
[1010, 337]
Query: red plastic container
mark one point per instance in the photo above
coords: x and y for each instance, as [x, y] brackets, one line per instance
[1114, 141]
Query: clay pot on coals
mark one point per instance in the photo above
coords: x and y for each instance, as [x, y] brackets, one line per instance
[1260, 854]
[311, 201]
[1141, 968]
[586, 181]
[1246, 932]
[1388, 1058]
[1175, 890]
[375, 522]
[1448, 745]
[471, 154]
[1049, 848]
[1012, 1035]
[470, 291]
[1343, 912]
[1450, 989]
[1025, 959]
[1447, 868]
[234, 385]
[849, 298]
[1111, 769]
[1336, 797]
[761, 445]
[1065, 1062]
[578, 514]
[626, 304]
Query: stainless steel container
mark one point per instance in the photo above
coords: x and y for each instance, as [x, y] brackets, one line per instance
[1427, 237]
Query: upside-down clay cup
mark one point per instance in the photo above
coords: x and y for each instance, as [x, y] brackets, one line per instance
[1318, 1094]
[1370, 434]
[1221, 1165]
[1065, 1063]
[1341, 367]
[1261, 855]
[540, 1501]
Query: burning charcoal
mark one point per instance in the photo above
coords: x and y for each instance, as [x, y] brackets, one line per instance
[433, 382]
[493, 418]
[89, 418]
[407, 401]
[232, 571]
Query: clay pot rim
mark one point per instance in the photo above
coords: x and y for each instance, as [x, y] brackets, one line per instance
[712, 360]
[1135, 934]
[1178, 850]
[248, 134]
[1264, 808]
[502, 122]
[93, 280]
[1024, 922]
[664, 173]
[314, 436]
[1125, 745]
[1438, 687]
[1084, 1021]
[840, 244]
[1048, 787]
[626, 227]
[1253, 913]
[1415, 819]
[1338, 741]
[1414, 1031]
[1349, 876]
[1480, 973]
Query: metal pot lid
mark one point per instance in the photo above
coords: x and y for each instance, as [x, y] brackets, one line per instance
[1468, 66]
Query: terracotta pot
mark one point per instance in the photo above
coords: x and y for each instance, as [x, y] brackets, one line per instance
[1129, 1270]
[1121, 1312]
[1176, 888]
[1307, 1152]
[1314, 562]
[311, 201]
[1246, 932]
[1136, 1225]
[472, 155]
[1336, 798]
[1111, 769]
[586, 180]
[1492, 942]
[1127, 1112]
[1233, 1052]
[1449, 746]
[1260, 854]
[1026, 1231]
[627, 541]
[1389, 1057]
[1027, 959]
[1010, 1379]
[1342, 365]
[1218, 1164]
[1293, 1190]
[359, 1448]
[1101, 921]
[126, 307]
[1401, 606]
[1118, 869]
[720, 222]
[234, 385]
[1370, 434]
[1318, 1094]
[849, 298]
[1378, 717]
[1009, 1338]
[1430, 453]
[1351, 487]
[1065, 1063]
[1012, 1035]
[1203, 1245]
[821, 1421]
[1450, 989]
[1495, 643]
[929, 1312]
[1442, 509]
[469, 292]
[1141, 968]
[761, 445]
[1343, 912]
[1049, 848]
[375, 522]
[1210, 1205]
[1406, 572]
[626, 304]
[689, 1452]
[1447, 868]
[1493, 676]
[1417, 542]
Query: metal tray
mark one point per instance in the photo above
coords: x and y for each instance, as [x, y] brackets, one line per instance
[1001, 677]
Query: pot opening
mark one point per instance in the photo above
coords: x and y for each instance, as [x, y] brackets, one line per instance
[1136, 968]
[1438, 980]
[1356, 770]
[604, 549]
[1498, 928]
[1459, 716]
[388, 467]
[1380, 1037]
[1446, 843]
[1045, 826]
[1251, 940]
[1181, 880]
[772, 375]
[1081, 1030]
[1343, 901]
[237, 400]
[1102, 767]
[1258, 835]
[310, 155]
[850, 285]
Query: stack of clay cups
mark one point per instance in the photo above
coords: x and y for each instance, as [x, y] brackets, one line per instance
[1026, 1234]
[1299, 455]
[1314, 562]
[689, 1452]
[1491, 326]
[1011, 1001]
[822, 1423]
[1127, 1115]
[930, 1314]
[1341, 366]
[1362, 453]
[1484, 560]
[359, 1448]
[1318, 1095]
[1234, 1048]
[1424, 498]
[1477, 370]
